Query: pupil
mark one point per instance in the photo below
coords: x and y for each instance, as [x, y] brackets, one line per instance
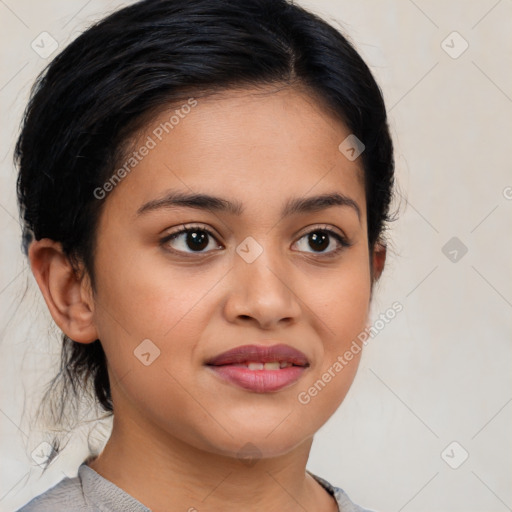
[197, 241]
[319, 240]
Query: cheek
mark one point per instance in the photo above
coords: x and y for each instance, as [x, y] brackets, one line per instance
[147, 297]
[343, 307]
[343, 301]
[349, 307]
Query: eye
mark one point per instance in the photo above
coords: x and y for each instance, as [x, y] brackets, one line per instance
[195, 238]
[321, 239]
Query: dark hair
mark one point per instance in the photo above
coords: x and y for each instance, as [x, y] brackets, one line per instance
[101, 89]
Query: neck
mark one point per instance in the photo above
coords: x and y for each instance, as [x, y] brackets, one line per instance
[165, 473]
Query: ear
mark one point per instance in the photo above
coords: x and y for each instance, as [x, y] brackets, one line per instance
[378, 259]
[68, 297]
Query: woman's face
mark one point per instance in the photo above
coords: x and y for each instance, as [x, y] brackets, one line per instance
[266, 275]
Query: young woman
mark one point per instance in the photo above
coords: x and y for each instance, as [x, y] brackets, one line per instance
[205, 187]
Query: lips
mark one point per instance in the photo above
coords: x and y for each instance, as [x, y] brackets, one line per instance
[260, 354]
[258, 368]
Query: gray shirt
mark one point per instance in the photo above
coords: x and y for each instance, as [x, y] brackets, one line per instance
[90, 492]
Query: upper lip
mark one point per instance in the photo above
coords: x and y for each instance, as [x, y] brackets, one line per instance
[260, 354]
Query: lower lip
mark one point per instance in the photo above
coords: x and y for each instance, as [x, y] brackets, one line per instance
[260, 381]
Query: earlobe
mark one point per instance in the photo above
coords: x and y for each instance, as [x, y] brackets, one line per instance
[70, 307]
[378, 260]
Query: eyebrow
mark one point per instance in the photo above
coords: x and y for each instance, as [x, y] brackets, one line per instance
[175, 199]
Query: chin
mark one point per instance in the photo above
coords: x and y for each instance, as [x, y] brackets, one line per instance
[250, 442]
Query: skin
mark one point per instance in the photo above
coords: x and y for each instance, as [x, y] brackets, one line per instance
[177, 427]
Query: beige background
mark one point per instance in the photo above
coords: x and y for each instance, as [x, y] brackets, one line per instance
[441, 370]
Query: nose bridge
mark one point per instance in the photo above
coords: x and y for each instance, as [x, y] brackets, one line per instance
[260, 283]
[260, 261]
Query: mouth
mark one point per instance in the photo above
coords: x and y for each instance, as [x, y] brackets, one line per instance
[259, 368]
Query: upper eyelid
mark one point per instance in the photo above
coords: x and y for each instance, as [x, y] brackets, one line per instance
[322, 227]
[184, 228]
[303, 232]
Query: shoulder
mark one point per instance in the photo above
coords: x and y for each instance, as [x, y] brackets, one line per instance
[65, 495]
[87, 492]
[345, 504]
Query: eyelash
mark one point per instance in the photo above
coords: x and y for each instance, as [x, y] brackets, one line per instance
[341, 240]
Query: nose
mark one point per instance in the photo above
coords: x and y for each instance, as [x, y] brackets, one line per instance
[262, 293]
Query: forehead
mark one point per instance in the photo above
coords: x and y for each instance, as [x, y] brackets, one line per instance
[256, 146]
